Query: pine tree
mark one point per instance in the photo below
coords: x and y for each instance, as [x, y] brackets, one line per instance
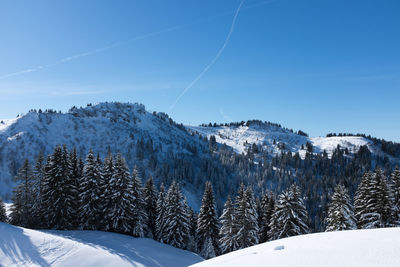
[340, 211]
[23, 196]
[138, 205]
[52, 189]
[47, 196]
[207, 222]
[90, 194]
[69, 201]
[395, 186]
[385, 200]
[3, 214]
[120, 210]
[108, 191]
[38, 172]
[59, 192]
[360, 200]
[267, 207]
[72, 184]
[246, 218]
[374, 203]
[160, 220]
[192, 221]
[290, 216]
[176, 229]
[150, 199]
[227, 241]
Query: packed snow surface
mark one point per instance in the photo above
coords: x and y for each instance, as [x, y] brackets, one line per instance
[25, 247]
[363, 248]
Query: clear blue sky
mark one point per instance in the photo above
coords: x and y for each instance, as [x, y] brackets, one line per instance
[319, 66]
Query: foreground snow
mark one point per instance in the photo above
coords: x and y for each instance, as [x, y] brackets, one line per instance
[25, 247]
[377, 247]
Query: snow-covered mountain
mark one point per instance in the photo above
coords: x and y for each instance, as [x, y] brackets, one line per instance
[366, 248]
[25, 247]
[273, 139]
[104, 127]
[162, 148]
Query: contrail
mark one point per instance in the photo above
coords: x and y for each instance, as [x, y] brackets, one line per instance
[148, 35]
[92, 52]
[228, 37]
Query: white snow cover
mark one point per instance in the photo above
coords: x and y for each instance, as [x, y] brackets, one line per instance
[264, 135]
[363, 248]
[25, 247]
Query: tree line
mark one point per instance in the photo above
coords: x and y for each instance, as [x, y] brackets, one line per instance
[65, 193]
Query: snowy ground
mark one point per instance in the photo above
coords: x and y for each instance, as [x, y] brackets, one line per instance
[25, 247]
[363, 248]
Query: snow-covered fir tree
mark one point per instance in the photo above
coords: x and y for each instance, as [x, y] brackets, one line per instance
[23, 197]
[246, 218]
[150, 199]
[72, 184]
[160, 220]
[290, 217]
[60, 196]
[90, 194]
[52, 185]
[340, 211]
[119, 198]
[227, 233]
[176, 228]
[267, 206]
[374, 202]
[138, 205]
[69, 195]
[386, 201]
[3, 214]
[192, 220]
[207, 223]
[360, 200]
[38, 172]
[395, 186]
[108, 191]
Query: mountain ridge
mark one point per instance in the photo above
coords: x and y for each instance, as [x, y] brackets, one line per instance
[168, 150]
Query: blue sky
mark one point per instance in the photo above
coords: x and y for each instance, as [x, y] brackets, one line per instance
[319, 66]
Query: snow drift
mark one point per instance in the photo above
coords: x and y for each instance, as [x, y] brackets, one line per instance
[25, 247]
[376, 247]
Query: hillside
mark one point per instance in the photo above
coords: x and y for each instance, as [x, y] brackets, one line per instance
[169, 151]
[364, 248]
[25, 247]
[106, 127]
[272, 138]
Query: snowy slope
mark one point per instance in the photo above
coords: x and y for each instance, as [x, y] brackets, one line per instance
[104, 127]
[363, 248]
[24, 247]
[269, 137]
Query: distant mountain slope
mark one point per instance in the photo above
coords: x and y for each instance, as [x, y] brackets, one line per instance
[364, 248]
[25, 247]
[273, 138]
